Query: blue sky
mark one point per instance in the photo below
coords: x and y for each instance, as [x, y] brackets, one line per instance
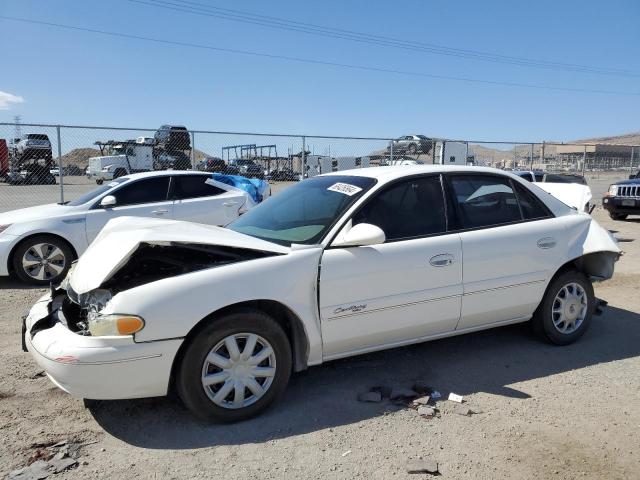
[84, 78]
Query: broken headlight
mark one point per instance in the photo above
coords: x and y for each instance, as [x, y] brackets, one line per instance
[113, 325]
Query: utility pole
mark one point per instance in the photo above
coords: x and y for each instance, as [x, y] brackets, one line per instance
[18, 132]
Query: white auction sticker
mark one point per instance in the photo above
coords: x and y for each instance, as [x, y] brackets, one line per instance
[345, 188]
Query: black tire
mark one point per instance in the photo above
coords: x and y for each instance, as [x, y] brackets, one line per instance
[22, 248]
[189, 372]
[618, 216]
[543, 318]
[99, 181]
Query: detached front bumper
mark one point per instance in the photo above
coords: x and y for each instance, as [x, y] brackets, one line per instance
[99, 368]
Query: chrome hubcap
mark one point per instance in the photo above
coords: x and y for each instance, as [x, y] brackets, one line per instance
[43, 261]
[569, 308]
[239, 370]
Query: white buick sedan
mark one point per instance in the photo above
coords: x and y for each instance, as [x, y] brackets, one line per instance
[38, 244]
[334, 266]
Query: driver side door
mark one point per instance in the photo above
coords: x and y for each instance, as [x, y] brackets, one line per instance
[147, 197]
[401, 291]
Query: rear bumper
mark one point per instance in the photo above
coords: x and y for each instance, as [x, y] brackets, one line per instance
[100, 368]
[629, 206]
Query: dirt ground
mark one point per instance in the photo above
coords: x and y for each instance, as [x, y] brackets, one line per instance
[545, 411]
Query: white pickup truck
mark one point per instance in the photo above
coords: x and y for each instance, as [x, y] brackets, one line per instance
[121, 158]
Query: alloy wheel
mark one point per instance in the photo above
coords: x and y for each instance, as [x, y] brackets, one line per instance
[569, 308]
[43, 261]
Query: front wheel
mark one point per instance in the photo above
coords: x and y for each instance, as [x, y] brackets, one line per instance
[235, 367]
[566, 309]
[42, 259]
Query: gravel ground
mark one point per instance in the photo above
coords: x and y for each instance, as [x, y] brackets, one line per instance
[545, 411]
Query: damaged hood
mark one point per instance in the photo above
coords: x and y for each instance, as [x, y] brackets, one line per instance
[574, 195]
[121, 237]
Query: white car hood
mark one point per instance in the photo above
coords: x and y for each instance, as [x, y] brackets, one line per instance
[574, 195]
[121, 236]
[36, 213]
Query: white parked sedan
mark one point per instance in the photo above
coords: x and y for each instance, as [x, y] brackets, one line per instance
[38, 244]
[334, 266]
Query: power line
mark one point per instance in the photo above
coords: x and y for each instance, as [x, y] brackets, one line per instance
[317, 62]
[201, 9]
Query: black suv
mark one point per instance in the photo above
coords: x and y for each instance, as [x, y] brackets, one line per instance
[248, 168]
[173, 137]
[623, 198]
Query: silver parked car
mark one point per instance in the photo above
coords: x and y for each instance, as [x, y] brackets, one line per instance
[413, 144]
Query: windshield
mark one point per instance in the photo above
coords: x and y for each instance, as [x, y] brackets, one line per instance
[87, 197]
[303, 213]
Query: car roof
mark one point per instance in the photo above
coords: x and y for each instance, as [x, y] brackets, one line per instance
[392, 172]
[160, 173]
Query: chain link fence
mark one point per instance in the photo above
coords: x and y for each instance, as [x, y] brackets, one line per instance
[50, 163]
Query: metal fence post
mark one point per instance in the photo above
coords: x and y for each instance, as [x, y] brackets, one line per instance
[390, 152]
[193, 150]
[542, 156]
[466, 153]
[304, 157]
[632, 149]
[584, 160]
[61, 175]
[531, 156]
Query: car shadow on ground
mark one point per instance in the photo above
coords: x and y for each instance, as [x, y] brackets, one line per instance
[10, 283]
[325, 396]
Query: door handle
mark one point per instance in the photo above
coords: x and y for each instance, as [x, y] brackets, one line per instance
[230, 204]
[441, 260]
[160, 211]
[547, 242]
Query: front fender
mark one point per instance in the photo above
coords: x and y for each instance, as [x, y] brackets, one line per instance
[171, 307]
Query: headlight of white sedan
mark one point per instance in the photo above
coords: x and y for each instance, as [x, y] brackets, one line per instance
[113, 325]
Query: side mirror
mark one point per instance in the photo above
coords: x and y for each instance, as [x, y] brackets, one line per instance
[108, 201]
[632, 177]
[361, 235]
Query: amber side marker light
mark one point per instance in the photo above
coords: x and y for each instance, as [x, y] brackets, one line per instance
[129, 325]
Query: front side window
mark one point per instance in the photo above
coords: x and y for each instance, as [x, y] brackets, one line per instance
[304, 212]
[411, 208]
[96, 192]
[483, 201]
[149, 190]
[194, 186]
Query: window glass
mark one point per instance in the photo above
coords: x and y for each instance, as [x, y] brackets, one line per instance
[194, 186]
[484, 201]
[303, 212]
[143, 191]
[87, 197]
[412, 208]
[532, 207]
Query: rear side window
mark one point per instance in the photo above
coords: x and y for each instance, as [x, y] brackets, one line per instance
[194, 186]
[37, 136]
[150, 190]
[532, 207]
[483, 200]
[411, 208]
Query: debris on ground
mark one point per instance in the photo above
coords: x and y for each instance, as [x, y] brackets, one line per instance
[344, 454]
[423, 466]
[427, 411]
[463, 410]
[422, 400]
[385, 392]
[373, 397]
[436, 395]
[422, 388]
[402, 393]
[49, 459]
[454, 397]
[38, 374]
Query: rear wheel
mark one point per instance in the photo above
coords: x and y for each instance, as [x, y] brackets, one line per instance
[235, 367]
[42, 259]
[566, 309]
[618, 216]
[99, 181]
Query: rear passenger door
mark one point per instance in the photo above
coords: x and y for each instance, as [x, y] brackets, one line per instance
[198, 198]
[511, 246]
